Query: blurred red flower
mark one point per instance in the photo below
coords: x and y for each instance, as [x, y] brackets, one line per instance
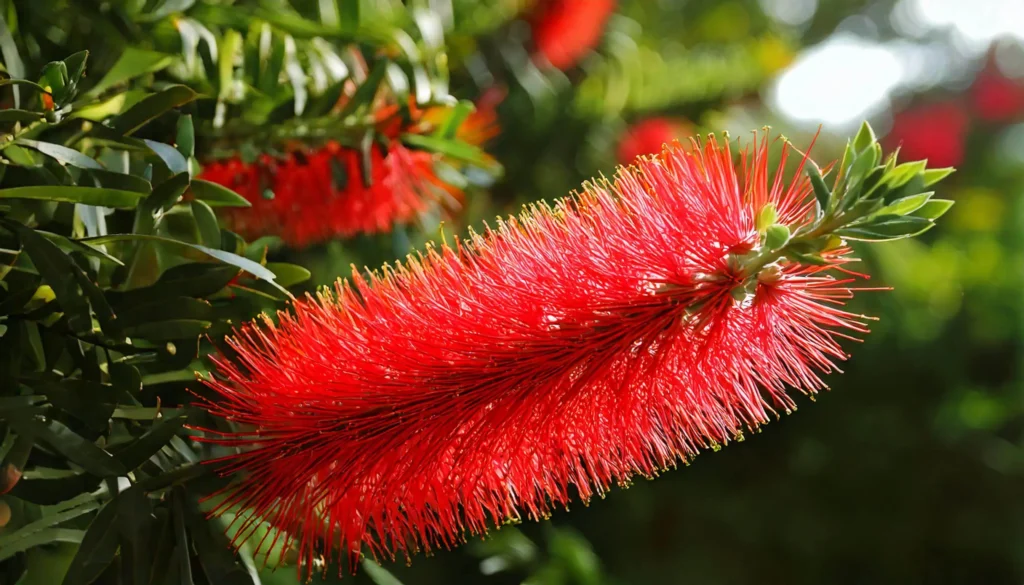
[564, 352]
[649, 136]
[996, 97]
[936, 132]
[306, 197]
[564, 31]
[313, 195]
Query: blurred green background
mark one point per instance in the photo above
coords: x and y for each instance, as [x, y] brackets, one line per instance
[911, 470]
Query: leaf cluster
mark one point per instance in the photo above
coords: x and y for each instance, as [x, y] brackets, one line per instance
[114, 278]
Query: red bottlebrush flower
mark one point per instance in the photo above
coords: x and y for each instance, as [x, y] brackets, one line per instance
[648, 137]
[936, 132]
[996, 97]
[309, 197]
[568, 350]
[566, 30]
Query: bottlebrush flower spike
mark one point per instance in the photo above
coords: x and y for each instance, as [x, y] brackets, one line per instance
[312, 196]
[613, 334]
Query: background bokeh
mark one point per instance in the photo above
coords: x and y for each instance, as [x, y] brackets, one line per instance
[911, 470]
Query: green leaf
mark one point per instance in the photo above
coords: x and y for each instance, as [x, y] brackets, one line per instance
[48, 536]
[15, 542]
[121, 181]
[454, 148]
[75, 65]
[906, 205]
[933, 209]
[68, 443]
[903, 173]
[23, 116]
[174, 160]
[17, 405]
[62, 154]
[100, 196]
[70, 245]
[888, 229]
[55, 76]
[932, 176]
[185, 138]
[152, 107]
[289, 274]
[30, 83]
[12, 60]
[131, 64]
[206, 221]
[379, 574]
[865, 138]
[166, 194]
[217, 196]
[99, 545]
[245, 264]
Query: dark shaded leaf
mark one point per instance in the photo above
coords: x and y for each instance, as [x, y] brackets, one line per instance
[166, 309]
[166, 194]
[23, 116]
[68, 443]
[120, 181]
[181, 551]
[168, 330]
[89, 402]
[139, 451]
[215, 555]
[260, 272]
[48, 536]
[135, 521]
[206, 222]
[58, 271]
[97, 550]
[47, 492]
[195, 280]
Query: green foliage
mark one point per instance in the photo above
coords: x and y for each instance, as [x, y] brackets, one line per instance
[115, 278]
